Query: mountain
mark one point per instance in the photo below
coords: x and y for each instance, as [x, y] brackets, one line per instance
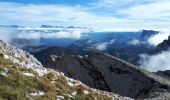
[148, 33]
[116, 39]
[23, 77]
[124, 45]
[42, 55]
[106, 72]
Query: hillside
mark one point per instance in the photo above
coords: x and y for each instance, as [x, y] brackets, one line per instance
[22, 77]
[108, 73]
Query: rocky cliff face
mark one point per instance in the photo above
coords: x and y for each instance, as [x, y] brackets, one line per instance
[148, 33]
[22, 77]
[105, 72]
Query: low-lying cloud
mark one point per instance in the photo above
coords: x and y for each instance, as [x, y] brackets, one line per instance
[7, 34]
[134, 42]
[103, 46]
[158, 38]
[157, 62]
[76, 34]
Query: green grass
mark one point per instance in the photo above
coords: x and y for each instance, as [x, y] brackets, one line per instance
[18, 86]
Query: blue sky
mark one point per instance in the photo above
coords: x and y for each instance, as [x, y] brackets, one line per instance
[68, 2]
[97, 14]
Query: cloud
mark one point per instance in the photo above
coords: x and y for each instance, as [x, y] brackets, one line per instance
[106, 14]
[134, 42]
[74, 34]
[119, 3]
[158, 62]
[103, 46]
[55, 14]
[7, 34]
[158, 38]
[158, 10]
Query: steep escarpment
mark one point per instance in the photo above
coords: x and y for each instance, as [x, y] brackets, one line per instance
[105, 72]
[22, 77]
[147, 34]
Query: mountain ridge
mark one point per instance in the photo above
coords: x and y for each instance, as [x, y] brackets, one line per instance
[106, 72]
[24, 77]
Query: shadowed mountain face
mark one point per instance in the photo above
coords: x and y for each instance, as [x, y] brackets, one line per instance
[148, 33]
[42, 55]
[109, 73]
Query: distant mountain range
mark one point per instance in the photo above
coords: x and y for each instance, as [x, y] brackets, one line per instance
[124, 45]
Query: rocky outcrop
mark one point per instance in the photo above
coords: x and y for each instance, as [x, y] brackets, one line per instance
[148, 33]
[106, 72]
[21, 58]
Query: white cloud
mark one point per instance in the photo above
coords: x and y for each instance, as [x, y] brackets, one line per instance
[123, 14]
[158, 38]
[156, 10]
[7, 34]
[134, 42]
[119, 3]
[158, 62]
[101, 46]
[75, 34]
[30, 14]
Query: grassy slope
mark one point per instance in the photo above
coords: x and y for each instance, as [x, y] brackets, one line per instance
[17, 86]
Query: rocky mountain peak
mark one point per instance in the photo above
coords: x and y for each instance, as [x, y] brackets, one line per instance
[148, 33]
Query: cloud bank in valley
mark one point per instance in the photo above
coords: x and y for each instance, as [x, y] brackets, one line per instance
[75, 34]
[158, 38]
[8, 34]
[157, 62]
[103, 46]
[134, 42]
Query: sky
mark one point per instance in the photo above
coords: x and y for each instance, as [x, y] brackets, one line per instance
[97, 14]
